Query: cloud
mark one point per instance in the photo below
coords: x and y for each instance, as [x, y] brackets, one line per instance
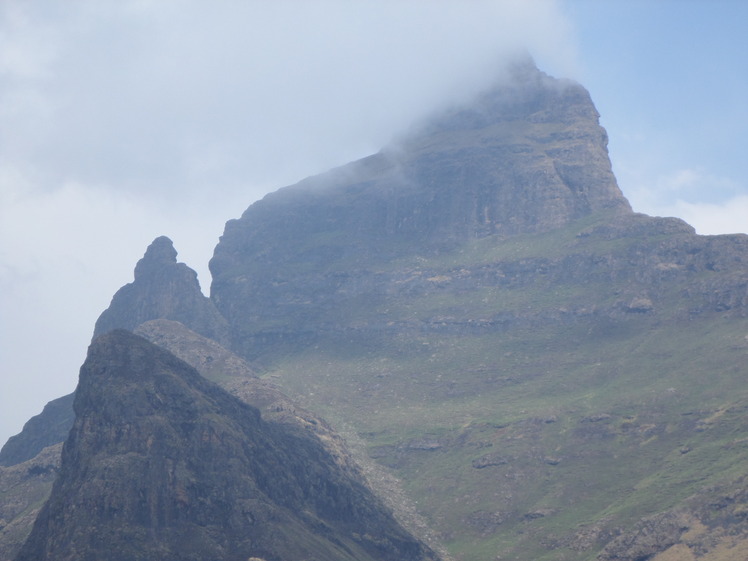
[139, 90]
[728, 217]
[711, 203]
[124, 120]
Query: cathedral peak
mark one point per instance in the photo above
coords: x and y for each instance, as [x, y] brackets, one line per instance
[160, 253]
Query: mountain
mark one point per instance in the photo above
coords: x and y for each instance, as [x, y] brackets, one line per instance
[524, 367]
[524, 158]
[49, 427]
[542, 367]
[162, 464]
[162, 288]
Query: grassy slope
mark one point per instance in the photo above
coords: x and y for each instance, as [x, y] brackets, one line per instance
[586, 426]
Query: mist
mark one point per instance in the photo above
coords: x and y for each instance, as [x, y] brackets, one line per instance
[123, 121]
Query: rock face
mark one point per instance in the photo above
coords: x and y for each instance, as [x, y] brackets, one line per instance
[50, 427]
[524, 159]
[528, 156]
[162, 464]
[235, 375]
[162, 288]
[23, 489]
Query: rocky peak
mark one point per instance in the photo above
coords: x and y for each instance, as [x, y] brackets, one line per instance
[162, 289]
[527, 156]
[162, 464]
[159, 255]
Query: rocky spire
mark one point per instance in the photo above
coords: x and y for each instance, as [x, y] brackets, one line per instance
[162, 289]
[160, 254]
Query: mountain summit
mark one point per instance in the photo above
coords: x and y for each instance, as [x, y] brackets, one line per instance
[526, 157]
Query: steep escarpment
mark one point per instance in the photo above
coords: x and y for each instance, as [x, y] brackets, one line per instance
[161, 463]
[512, 190]
[482, 308]
[527, 157]
[24, 487]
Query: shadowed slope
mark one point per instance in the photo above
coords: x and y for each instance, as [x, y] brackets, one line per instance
[162, 464]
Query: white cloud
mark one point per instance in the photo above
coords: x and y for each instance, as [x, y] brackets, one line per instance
[709, 202]
[124, 120]
[728, 217]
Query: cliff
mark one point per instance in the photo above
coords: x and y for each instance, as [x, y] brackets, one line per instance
[161, 463]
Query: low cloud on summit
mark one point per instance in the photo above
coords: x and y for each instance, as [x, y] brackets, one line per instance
[122, 121]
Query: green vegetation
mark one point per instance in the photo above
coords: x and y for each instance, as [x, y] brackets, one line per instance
[596, 421]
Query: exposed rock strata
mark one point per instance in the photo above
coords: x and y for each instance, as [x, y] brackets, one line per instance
[161, 463]
[526, 157]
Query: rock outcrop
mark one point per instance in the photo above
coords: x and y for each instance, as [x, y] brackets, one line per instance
[528, 156]
[162, 464]
[235, 375]
[49, 427]
[162, 288]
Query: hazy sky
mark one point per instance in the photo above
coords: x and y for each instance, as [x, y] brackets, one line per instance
[124, 120]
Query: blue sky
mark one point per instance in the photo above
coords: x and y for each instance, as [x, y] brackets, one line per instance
[124, 120]
[670, 79]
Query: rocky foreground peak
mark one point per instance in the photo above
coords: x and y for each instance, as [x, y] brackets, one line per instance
[162, 464]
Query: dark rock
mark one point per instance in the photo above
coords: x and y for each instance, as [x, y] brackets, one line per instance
[596, 418]
[649, 537]
[235, 375]
[540, 513]
[49, 427]
[162, 464]
[490, 460]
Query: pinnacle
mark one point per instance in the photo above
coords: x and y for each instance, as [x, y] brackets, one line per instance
[160, 252]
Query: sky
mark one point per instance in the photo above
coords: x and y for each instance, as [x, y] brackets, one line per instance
[124, 120]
